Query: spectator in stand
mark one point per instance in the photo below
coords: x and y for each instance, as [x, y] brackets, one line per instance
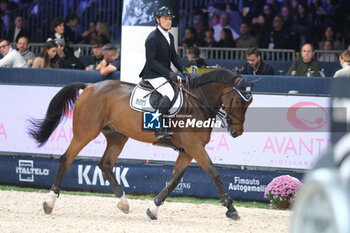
[329, 35]
[226, 39]
[17, 31]
[57, 30]
[287, 18]
[275, 5]
[317, 15]
[328, 57]
[302, 23]
[48, 56]
[294, 7]
[189, 38]
[262, 30]
[199, 25]
[255, 65]
[67, 60]
[251, 9]
[224, 24]
[278, 36]
[209, 40]
[89, 34]
[11, 57]
[269, 12]
[231, 10]
[305, 65]
[23, 48]
[194, 58]
[70, 29]
[111, 60]
[332, 9]
[103, 31]
[344, 59]
[96, 44]
[246, 40]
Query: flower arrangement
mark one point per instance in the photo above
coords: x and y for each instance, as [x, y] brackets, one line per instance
[281, 191]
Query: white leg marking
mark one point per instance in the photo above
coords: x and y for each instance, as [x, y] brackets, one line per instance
[123, 199]
[52, 199]
[154, 210]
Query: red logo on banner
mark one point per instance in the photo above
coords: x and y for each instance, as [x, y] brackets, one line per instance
[307, 116]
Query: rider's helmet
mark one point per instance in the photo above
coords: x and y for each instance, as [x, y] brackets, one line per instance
[163, 11]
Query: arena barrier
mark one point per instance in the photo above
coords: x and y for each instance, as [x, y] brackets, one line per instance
[245, 171]
[136, 178]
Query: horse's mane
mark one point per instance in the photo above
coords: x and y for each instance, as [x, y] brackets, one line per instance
[221, 75]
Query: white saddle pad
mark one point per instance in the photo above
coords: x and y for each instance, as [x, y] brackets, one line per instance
[140, 103]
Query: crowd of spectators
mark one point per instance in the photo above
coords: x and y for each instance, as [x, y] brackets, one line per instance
[57, 52]
[273, 24]
[283, 24]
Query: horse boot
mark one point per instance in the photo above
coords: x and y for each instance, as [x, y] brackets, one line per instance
[164, 105]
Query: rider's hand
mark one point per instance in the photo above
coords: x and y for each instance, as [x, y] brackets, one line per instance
[173, 76]
[186, 74]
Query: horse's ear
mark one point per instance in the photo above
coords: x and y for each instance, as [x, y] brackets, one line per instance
[254, 82]
[243, 82]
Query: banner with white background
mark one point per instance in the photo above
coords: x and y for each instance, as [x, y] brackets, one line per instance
[137, 23]
[291, 148]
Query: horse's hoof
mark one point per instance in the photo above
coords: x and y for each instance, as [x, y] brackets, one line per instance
[47, 208]
[150, 215]
[123, 207]
[233, 215]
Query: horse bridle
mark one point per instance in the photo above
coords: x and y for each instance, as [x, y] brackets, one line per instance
[229, 113]
[219, 112]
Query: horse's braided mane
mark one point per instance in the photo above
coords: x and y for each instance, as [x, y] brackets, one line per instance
[221, 75]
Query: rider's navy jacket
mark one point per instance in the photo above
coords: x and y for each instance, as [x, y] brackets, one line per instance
[159, 54]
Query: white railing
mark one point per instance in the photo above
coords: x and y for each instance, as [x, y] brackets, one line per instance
[240, 54]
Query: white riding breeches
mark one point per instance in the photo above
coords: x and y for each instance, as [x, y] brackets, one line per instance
[164, 89]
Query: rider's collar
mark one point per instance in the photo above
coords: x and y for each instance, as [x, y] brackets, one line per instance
[165, 33]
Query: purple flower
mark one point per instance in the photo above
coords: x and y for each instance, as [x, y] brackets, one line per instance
[281, 191]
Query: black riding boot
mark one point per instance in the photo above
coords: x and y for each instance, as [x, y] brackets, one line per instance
[164, 105]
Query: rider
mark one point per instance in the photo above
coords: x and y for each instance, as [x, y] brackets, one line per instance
[160, 52]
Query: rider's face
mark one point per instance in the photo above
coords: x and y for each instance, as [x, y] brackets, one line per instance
[165, 22]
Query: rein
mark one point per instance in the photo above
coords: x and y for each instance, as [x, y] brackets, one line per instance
[199, 100]
[218, 112]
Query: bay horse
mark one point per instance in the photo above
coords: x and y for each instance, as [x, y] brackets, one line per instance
[104, 107]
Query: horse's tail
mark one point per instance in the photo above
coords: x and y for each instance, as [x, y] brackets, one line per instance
[41, 129]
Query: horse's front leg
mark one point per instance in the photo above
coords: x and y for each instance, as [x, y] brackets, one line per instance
[204, 161]
[115, 144]
[180, 166]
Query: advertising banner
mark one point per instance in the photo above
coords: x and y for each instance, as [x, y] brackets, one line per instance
[135, 178]
[137, 23]
[280, 131]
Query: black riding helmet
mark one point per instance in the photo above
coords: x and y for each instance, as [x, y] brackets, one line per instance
[163, 11]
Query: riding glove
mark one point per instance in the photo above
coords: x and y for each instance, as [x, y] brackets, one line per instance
[186, 74]
[173, 76]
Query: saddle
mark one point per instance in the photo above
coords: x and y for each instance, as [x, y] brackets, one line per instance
[145, 99]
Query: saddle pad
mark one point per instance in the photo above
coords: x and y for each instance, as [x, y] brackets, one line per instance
[141, 104]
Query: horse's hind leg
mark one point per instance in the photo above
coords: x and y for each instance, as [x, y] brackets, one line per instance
[115, 144]
[65, 161]
[180, 166]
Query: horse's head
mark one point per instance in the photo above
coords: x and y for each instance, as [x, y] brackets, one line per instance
[236, 100]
